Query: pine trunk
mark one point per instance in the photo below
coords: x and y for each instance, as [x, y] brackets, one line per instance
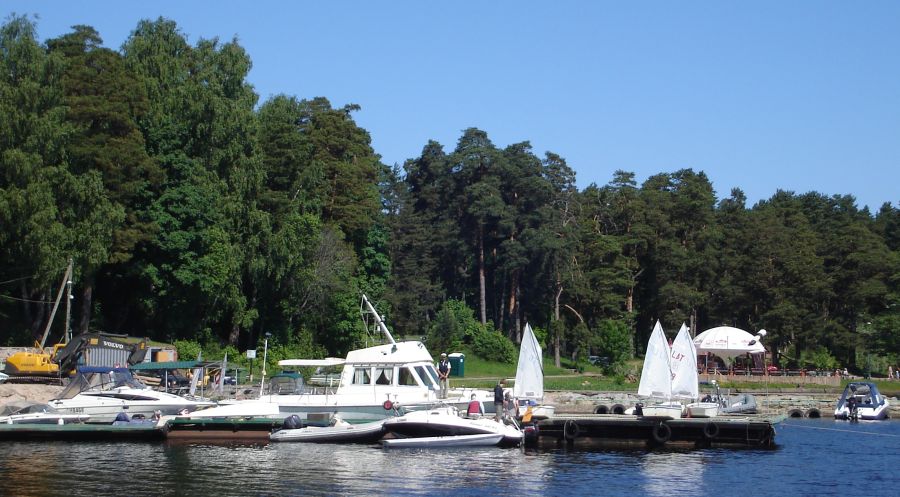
[481, 283]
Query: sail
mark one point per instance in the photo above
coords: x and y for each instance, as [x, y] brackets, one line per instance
[656, 377]
[685, 380]
[530, 371]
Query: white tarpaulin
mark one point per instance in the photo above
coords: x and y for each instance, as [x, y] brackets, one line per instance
[727, 343]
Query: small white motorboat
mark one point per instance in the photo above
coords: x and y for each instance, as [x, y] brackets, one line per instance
[25, 412]
[477, 440]
[861, 400]
[339, 431]
[446, 422]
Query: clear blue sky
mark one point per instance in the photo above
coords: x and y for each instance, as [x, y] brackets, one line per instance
[796, 95]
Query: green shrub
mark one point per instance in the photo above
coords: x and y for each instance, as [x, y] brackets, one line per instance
[492, 345]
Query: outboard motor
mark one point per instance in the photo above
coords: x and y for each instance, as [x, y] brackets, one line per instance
[639, 409]
[292, 422]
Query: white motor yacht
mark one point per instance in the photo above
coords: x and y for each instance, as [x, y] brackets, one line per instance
[103, 393]
[375, 383]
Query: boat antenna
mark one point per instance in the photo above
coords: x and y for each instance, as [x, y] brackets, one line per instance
[378, 320]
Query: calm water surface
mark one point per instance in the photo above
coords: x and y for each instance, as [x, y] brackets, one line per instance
[813, 457]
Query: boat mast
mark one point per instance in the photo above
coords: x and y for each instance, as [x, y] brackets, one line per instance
[378, 321]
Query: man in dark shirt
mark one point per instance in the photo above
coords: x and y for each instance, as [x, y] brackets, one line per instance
[498, 400]
[444, 375]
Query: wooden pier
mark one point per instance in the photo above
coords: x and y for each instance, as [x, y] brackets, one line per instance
[599, 429]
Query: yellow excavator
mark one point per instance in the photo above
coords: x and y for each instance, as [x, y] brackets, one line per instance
[38, 363]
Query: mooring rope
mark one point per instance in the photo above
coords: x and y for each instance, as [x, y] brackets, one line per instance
[841, 429]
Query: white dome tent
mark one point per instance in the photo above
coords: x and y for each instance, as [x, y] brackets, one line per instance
[727, 343]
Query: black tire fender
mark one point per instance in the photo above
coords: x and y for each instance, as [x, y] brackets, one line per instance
[662, 433]
[601, 409]
[571, 430]
[710, 431]
[795, 413]
[617, 409]
[813, 413]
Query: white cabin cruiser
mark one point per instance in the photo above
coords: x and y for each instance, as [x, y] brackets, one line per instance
[446, 422]
[375, 383]
[861, 400]
[103, 393]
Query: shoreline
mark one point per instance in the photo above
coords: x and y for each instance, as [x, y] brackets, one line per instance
[780, 402]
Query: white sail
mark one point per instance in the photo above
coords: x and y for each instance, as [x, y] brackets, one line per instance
[656, 376]
[685, 380]
[530, 371]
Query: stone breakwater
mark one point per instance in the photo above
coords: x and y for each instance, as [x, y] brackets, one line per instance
[782, 403]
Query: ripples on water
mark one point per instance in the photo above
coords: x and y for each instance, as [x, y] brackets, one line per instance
[814, 457]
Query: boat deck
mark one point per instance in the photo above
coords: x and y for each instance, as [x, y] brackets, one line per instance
[654, 432]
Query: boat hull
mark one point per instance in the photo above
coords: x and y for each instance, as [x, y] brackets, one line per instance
[444, 423]
[477, 440]
[703, 410]
[672, 411]
[341, 433]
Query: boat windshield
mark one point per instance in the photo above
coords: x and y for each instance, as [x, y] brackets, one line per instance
[100, 381]
[426, 378]
[431, 373]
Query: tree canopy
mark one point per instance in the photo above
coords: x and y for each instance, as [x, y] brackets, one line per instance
[193, 211]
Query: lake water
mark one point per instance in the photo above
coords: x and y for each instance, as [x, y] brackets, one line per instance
[813, 457]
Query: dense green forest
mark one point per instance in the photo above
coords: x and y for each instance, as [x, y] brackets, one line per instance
[193, 211]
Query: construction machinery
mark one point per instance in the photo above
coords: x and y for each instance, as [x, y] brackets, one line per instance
[89, 349]
[37, 364]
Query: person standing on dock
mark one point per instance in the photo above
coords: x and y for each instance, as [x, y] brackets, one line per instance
[499, 400]
[444, 375]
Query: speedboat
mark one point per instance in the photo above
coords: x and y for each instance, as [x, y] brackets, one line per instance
[339, 431]
[103, 393]
[374, 383]
[446, 421]
[861, 400]
[26, 412]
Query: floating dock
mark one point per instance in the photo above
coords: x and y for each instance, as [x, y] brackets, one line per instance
[82, 432]
[251, 428]
[655, 432]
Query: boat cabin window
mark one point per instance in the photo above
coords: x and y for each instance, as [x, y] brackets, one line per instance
[406, 378]
[426, 379]
[383, 376]
[432, 373]
[361, 376]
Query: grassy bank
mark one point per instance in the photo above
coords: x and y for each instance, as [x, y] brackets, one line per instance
[585, 377]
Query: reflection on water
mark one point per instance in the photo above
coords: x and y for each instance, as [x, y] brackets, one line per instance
[672, 472]
[804, 464]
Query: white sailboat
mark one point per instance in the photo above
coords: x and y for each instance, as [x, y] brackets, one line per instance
[685, 379]
[656, 377]
[529, 387]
